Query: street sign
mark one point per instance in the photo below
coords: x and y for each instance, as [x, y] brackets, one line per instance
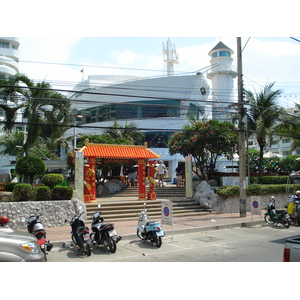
[167, 212]
[255, 204]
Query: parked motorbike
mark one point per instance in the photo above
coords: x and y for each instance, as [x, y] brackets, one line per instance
[80, 234]
[149, 230]
[275, 216]
[104, 234]
[36, 228]
[294, 211]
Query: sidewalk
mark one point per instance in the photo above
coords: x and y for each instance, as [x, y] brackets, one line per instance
[127, 229]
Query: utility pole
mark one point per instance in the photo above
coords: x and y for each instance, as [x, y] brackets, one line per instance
[241, 126]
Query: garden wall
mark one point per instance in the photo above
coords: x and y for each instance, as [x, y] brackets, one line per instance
[55, 213]
[232, 204]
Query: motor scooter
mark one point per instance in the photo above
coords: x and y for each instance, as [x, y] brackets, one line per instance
[149, 230]
[80, 234]
[275, 216]
[294, 211]
[103, 234]
[36, 228]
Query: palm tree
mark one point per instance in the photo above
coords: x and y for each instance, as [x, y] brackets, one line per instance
[262, 116]
[290, 127]
[39, 103]
[128, 132]
[10, 142]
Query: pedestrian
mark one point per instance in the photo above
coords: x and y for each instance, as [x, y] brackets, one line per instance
[178, 175]
[161, 172]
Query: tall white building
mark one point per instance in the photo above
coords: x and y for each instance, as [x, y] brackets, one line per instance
[9, 56]
[221, 75]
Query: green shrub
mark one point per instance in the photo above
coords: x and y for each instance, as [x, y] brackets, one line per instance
[258, 189]
[254, 189]
[51, 180]
[9, 187]
[62, 193]
[30, 166]
[24, 192]
[273, 179]
[229, 191]
[42, 193]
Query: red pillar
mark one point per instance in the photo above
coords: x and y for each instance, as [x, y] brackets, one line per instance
[92, 163]
[142, 179]
[90, 180]
[87, 187]
[151, 193]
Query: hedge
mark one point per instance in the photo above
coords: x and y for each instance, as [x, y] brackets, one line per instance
[24, 192]
[258, 189]
[42, 193]
[62, 193]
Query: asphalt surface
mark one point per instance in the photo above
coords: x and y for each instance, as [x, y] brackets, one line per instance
[127, 229]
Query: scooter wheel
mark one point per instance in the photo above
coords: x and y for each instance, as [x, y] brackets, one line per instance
[87, 249]
[157, 241]
[268, 219]
[286, 222]
[139, 234]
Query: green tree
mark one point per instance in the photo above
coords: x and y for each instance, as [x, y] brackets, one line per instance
[11, 143]
[290, 127]
[205, 141]
[128, 132]
[262, 114]
[30, 166]
[40, 106]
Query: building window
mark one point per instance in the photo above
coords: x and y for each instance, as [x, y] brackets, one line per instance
[221, 53]
[4, 45]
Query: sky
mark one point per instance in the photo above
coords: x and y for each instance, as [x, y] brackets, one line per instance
[59, 60]
[126, 37]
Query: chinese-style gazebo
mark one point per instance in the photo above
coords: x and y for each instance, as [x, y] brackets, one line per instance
[112, 152]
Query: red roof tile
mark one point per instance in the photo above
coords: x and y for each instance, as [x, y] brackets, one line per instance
[117, 151]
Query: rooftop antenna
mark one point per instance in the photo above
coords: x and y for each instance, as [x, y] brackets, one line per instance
[170, 57]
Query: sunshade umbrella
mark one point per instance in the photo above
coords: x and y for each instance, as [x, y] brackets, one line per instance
[271, 154]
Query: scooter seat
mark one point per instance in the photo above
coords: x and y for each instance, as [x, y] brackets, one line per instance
[280, 211]
[151, 223]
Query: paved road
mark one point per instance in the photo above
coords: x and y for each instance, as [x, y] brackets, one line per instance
[245, 244]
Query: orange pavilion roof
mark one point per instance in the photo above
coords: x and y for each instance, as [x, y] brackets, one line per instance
[117, 151]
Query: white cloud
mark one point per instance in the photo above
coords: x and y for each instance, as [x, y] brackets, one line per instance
[54, 51]
[126, 57]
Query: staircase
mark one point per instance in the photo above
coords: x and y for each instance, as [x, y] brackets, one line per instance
[124, 206]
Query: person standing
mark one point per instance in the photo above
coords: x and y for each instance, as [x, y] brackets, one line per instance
[161, 172]
[178, 171]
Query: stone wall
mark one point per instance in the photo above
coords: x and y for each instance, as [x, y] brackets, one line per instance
[232, 205]
[54, 213]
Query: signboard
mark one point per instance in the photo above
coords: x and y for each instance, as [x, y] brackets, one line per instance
[79, 180]
[255, 204]
[167, 212]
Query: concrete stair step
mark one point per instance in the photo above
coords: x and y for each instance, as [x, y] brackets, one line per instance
[128, 210]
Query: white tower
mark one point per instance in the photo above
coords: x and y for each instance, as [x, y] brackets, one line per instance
[222, 74]
[9, 56]
[170, 57]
